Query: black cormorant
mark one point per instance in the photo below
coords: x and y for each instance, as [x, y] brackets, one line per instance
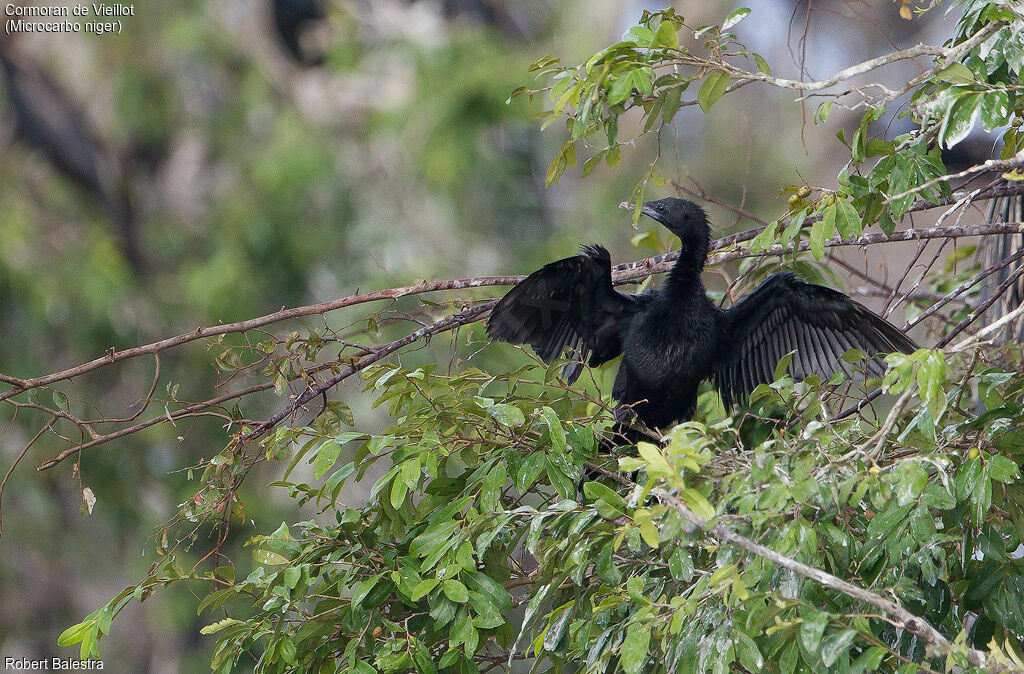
[674, 338]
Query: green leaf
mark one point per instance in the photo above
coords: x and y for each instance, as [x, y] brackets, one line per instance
[325, 458]
[286, 647]
[869, 660]
[796, 223]
[956, 73]
[1003, 469]
[269, 558]
[507, 415]
[821, 113]
[641, 36]
[877, 147]
[835, 645]
[673, 99]
[667, 36]
[633, 652]
[209, 629]
[215, 599]
[762, 65]
[782, 366]
[911, 479]
[607, 572]
[648, 239]
[749, 654]
[486, 586]
[490, 492]
[424, 662]
[812, 628]
[410, 472]
[529, 471]
[696, 502]
[788, 659]
[557, 627]
[76, 633]
[455, 591]
[959, 119]
[967, 478]
[363, 587]
[648, 530]
[995, 109]
[555, 430]
[657, 465]
[822, 230]
[423, 588]
[399, 490]
[712, 89]
[680, 565]
[463, 632]
[847, 219]
[596, 490]
[435, 536]
[557, 469]
[766, 239]
[620, 89]
[734, 17]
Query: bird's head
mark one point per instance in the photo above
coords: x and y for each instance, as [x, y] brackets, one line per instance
[688, 221]
[683, 218]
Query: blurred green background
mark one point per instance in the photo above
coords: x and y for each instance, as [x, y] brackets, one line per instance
[210, 164]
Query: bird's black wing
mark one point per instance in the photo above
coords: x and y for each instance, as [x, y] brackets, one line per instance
[787, 314]
[568, 304]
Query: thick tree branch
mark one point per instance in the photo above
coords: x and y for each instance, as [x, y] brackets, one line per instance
[311, 393]
[447, 323]
[113, 356]
[635, 271]
[625, 273]
[740, 77]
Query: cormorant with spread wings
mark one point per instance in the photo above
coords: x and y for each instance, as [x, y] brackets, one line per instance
[674, 338]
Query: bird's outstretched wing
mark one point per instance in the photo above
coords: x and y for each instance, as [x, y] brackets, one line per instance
[787, 314]
[568, 304]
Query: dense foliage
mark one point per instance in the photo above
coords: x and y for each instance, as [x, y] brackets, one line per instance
[500, 529]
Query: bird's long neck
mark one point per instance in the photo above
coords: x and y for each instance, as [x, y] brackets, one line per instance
[685, 275]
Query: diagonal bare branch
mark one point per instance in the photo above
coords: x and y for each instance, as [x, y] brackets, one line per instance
[901, 617]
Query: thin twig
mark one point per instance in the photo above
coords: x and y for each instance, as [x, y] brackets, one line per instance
[14, 465]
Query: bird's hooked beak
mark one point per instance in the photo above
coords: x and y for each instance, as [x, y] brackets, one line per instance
[649, 210]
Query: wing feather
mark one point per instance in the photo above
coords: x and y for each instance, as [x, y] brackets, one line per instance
[569, 304]
[785, 314]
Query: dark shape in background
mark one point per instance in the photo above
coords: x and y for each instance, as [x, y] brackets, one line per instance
[50, 122]
[292, 20]
[995, 248]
